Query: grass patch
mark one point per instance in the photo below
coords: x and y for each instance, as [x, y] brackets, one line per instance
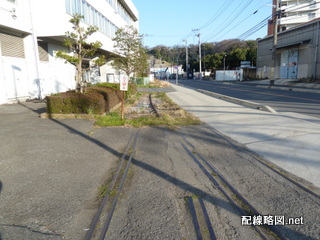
[171, 115]
[112, 119]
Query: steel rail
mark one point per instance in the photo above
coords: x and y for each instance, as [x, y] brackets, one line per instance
[194, 218]
[207, 219]
[153, 106]
[115, 200]
[219, 187]
[104, 202]
[265, 164]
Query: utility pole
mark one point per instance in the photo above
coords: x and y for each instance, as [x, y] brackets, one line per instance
[187, 58]
[224, 67]
[199, 36]
[275, 36]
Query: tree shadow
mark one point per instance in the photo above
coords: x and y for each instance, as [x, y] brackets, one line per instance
[220, 202]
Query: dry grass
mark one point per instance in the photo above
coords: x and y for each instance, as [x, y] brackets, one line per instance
[171, 115]
[159, 84]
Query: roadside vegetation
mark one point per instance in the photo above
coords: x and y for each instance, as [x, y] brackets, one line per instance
[130, 58]
[172, 115]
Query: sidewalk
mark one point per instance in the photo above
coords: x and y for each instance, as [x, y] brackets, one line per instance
[51, 171]
[288, 84]
[289, 140]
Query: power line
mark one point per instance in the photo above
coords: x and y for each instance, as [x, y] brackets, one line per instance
[226, 25]
[237, 25]
[223, 8]
[243, 20]
[248, 33]
[264, 22]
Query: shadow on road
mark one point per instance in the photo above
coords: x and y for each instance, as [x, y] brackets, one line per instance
[176, 182]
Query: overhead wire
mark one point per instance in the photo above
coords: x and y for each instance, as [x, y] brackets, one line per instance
[261, 24]
[248, 33]
[226, 24]
[264, 22]
[223, 8]
[242, 21]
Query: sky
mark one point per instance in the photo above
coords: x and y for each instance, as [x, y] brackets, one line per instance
[169, 22]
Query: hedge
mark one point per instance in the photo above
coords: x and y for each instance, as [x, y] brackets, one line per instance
[76, 103]
[111, 96]
[98, 99]
[132, 88]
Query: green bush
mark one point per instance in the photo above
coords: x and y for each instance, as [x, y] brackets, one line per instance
[132, 88]
[111, 96]
[76, 103]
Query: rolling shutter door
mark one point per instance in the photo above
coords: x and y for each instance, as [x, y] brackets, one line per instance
[12, 46]
[43, 51]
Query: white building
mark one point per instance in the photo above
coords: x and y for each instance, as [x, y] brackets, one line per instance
[32, 30]
[297, 12]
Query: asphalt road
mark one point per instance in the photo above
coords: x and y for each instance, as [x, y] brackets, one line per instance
[51, 172]
[307, 103]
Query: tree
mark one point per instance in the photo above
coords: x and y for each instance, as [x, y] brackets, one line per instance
[130, 56]
[237, 55]
[77, 43]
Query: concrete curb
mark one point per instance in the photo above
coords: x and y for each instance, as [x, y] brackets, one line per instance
[70, 116]
[294, 89]
[239, 101]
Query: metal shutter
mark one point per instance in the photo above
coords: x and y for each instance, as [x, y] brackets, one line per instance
[43, 51]
[11, 46]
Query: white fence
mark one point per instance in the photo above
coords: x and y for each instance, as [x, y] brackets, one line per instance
[229, 75]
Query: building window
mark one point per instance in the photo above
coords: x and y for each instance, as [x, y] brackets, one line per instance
[124, 13]
[312, 16]
[91, 16]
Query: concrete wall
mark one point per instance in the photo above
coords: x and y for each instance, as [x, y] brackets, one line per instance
[305, 39]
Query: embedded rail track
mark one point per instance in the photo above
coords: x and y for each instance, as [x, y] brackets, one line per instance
[153, 107]
[201, 229]
[214, 176]
[240, 203]
[101, 221]
[265, 164]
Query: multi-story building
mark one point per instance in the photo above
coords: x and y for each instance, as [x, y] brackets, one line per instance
[32, 30]
[297, 12]
[294, 13]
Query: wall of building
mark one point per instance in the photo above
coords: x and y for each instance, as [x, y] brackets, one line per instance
[304, 40]
[297, 12]
[41, 26]
[265, 66]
